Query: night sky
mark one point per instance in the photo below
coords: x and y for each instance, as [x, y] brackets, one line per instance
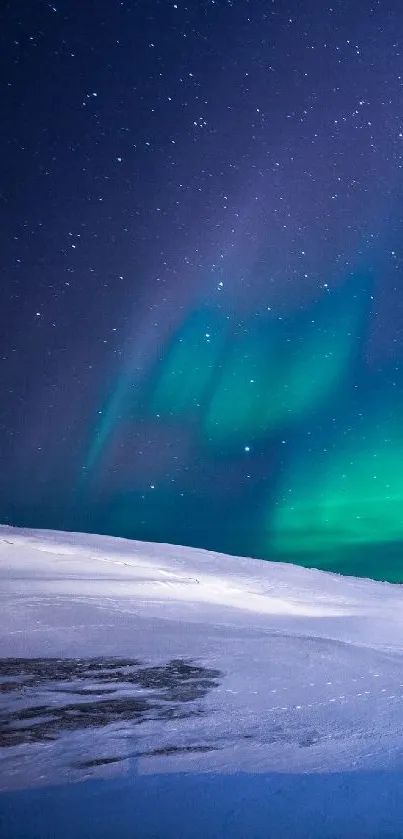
[201, 276]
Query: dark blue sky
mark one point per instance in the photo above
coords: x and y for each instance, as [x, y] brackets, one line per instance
[201, 278]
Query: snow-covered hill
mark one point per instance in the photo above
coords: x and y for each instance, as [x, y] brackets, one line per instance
[122, 659]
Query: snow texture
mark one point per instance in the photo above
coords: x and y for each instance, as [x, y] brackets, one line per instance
[268, 695]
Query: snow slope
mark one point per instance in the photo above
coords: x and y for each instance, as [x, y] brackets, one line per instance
[227, 665]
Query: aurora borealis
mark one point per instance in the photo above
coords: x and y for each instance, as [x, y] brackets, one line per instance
[202, 276]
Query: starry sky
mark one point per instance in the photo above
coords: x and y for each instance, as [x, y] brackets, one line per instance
[201, 287]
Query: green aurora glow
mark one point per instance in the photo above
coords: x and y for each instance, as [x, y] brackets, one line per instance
[235, 389]
[347, 495]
